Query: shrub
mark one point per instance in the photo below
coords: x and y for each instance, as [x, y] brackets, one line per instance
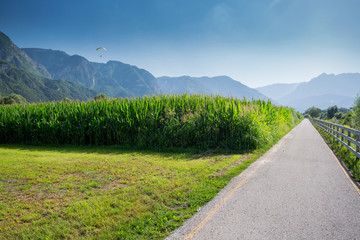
[101, 96]
[12, 99]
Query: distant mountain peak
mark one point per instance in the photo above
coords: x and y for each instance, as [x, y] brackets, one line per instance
[19, 74]
[12, 54]
[219, 85]
[114, 78]
[325, 90]
[278, 90]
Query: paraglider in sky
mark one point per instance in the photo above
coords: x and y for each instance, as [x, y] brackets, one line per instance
[101, 48]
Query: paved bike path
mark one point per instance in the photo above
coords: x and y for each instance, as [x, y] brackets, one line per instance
[297, 190]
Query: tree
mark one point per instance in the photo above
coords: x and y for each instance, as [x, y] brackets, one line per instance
[330, 112]
[66, 100]
[314, 112]
[100, 97]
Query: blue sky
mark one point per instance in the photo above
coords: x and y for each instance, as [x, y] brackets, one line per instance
[256, 42]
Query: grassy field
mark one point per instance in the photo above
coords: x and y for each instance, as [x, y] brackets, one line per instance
[106, 192]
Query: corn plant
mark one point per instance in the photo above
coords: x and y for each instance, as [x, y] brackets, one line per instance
[199, 121]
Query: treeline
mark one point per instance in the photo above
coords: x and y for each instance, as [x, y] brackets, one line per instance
[343, 116]
[202, 122]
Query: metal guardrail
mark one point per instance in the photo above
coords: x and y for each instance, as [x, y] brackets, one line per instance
[342, 134]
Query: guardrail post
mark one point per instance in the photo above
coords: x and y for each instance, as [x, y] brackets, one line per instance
[337, 129]
[342, 131]
[349, 135]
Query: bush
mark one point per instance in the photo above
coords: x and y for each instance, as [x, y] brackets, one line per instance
[12, 99]
[349, 119]
[66, 100]
[101, 96]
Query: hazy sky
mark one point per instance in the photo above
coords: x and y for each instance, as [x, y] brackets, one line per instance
[256, 42]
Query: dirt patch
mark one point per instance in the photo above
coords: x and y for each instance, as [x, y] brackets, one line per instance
[222, 171]
[206, 155]
[114, 185]
[201, 156]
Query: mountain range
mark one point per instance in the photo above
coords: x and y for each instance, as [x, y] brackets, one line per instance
[278, 90]
[47, 75]
[221, 85]
[115, 79]
[323, 91]
[21, 75]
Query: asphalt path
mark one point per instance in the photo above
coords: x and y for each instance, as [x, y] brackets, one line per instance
[297, 190]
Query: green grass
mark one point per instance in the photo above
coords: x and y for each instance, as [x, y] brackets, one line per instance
[106, 192]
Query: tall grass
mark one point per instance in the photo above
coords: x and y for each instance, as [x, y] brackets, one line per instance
[203, 122]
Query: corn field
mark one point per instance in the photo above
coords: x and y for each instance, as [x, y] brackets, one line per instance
[197, 121]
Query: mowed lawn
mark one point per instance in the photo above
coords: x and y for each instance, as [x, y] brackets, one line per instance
[106, 192]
